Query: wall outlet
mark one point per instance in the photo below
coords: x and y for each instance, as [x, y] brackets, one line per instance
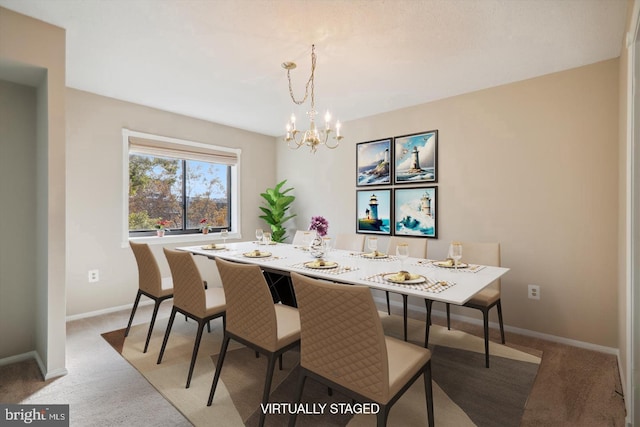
[534, 292]
[94, 276]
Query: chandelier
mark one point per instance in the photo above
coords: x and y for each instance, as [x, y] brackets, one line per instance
[313, 137]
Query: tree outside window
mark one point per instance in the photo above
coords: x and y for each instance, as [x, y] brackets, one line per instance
[178, 190]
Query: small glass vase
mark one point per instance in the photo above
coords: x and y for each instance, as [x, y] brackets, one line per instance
[205, 230]
[160, 233]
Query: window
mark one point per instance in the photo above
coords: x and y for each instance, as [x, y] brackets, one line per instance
[179, 183]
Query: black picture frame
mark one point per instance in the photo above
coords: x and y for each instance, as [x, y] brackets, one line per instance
[415, 212]
[373, 162]
[415, 158]
[373, 211]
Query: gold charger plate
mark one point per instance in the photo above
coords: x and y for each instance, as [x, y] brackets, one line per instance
[390, 278]
[327, 265]
[372, 256]
[445, 264]
[255, 255]
[213, 247]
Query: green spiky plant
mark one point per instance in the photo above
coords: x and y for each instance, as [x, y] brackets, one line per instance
[275, 213]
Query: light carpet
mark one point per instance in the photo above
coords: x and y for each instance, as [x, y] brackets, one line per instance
[465, 392]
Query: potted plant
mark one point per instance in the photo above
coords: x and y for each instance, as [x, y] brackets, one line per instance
[275, 211]
[205, 226]
[162, 225]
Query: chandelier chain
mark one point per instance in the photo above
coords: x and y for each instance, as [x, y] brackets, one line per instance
[309, 82]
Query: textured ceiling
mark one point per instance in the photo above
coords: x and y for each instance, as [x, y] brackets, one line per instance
[220, 60]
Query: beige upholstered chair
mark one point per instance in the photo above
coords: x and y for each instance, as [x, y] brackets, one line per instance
[150, 284]
[254, 320]
[349, 242]
[417, 249]
[483, 254]
[191, 299]
[344, 347]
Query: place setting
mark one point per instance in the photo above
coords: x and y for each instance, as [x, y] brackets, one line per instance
[372, 244]
[453, 261]
[325, 266]
[224, 234]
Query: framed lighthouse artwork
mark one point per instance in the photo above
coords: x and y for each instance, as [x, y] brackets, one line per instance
[415, 212]
[416, 158]
[373, 209]
[373, 160]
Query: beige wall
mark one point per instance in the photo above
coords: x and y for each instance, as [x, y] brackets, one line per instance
[532, 165]
[34, 51]
[18, 195]
[95, 199]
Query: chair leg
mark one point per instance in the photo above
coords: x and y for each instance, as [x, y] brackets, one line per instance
[133, 312]
[156, 306]
[448, 316]
[388, 304]
[485, 318]
[404, 312]
[499, 307]
[166, 334]
[196, 346]
[383, 414]
[209, 326]
[216, 377]
[280, 361]
[428, 303]
[294, 414]
[428, 391]
[267, 386]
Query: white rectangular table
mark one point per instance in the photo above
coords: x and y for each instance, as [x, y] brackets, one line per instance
[287, 258]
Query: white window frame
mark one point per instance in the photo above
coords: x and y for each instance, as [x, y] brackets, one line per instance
[234, 233]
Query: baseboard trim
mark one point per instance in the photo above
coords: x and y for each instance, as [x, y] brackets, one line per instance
[35, 356]
[22, 357]
[107, 310]
[526, 332]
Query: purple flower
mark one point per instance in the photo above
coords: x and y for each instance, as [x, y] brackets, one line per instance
[319, 224]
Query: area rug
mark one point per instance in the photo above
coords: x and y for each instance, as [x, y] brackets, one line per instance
[465, 392]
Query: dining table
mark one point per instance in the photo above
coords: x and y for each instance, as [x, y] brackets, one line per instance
[430, 279]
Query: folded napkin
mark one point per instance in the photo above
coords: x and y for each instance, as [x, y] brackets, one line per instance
[213, 246]
[401, 276]
[319, 263]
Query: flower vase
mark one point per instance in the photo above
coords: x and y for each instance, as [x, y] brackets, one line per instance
[160, 233]
[205, 230]
[316, 247]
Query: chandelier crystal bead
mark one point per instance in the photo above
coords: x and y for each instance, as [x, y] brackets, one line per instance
[313, 137]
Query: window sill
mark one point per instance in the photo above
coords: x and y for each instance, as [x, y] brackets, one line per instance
[171, 239]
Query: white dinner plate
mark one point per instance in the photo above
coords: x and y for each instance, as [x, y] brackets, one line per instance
[327, 265]
[255, 255]
[444, 264]
[390, 278]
